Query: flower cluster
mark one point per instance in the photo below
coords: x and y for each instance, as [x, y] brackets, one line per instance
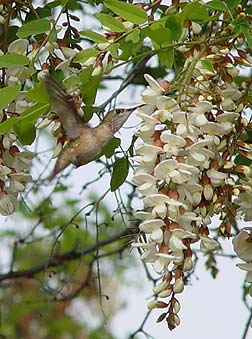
[13, 162]
[185, 167]
[242, 243]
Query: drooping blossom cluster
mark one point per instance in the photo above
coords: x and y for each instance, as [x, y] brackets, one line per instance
[186, 171]
[242, 243]
[14, 162]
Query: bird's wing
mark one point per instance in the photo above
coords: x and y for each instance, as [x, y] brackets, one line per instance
[65, 108]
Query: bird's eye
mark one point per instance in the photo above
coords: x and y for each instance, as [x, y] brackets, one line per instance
[118, 111]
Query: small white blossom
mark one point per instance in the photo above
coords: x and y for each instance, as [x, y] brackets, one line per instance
[242, 243]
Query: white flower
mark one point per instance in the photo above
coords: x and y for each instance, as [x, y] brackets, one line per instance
[213, 128]
[154, 228]
[208, 244]
[198, 155]
[16, 181]
[68, 53]
[148, 152]
[146, 183]
[4, 170]
[162, 261]
[152, 92]
[160, 287]
[242, 243]
[142, 215]
[246, 267]
[217, 178]
[173, 143]
[196, 28]
[16, 76]
[231, 92]
[8, 139]
[163, 206]
[149, 251]
[172, 170]
[22, 160]
[190, 191]
[18, 46]
[166, 108]
[176, 239]
[8, 203]
[244, 200]
[184, 220]
[147, 126]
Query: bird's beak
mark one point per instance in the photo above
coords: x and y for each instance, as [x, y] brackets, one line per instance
[129, 110]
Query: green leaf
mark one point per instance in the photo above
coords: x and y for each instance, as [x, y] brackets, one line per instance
[54, 4]
[24, 124]
[96, 37]
[217, 5]
[241, 26]
[161, 36]
[114, 50]
[11, 36]
[85, 54]
[52, 35]
[34, 112]
[241, 160]
[120, 173]
[8, 94]
[13, 60]
[109, 149]
[161, 39]
[25, 131]
[133, 36]
[30, 114]
[175, 24]
[248, 37]
[208, 65]
[196, 12]
[110, 23]
[38, 93]
[232, 3]
[6, 125]
[34, 27]
[166, 57]
[131, 148]
[127, 11]
[89, 89]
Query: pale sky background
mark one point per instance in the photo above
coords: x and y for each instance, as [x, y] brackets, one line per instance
[210, 309]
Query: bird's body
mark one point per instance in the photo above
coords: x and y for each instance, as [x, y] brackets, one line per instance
[85, 142]
[81, 150]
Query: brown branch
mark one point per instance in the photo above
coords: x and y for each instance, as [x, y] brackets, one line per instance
[60, 259]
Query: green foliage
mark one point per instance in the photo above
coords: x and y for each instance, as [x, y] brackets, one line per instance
[62, 237]
[120, 173]
[127, 11]
[13, 60]
[110, 23]
[33, 28]
[86, 54]
[217, 4]
[195, 11]
[8, 94]
[93, 36]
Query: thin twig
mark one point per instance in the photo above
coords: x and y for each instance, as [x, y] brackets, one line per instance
[135, 70]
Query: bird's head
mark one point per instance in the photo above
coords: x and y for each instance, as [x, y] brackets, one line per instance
[118, 116]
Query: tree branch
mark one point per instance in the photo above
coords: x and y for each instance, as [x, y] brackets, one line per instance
[139, 65]
[60, 259]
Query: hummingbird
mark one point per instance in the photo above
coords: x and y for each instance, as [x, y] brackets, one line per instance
[85, 142]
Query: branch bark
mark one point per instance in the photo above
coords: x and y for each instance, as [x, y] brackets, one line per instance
[60, 259]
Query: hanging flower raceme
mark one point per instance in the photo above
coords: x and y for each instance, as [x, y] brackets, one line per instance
[186, 172]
